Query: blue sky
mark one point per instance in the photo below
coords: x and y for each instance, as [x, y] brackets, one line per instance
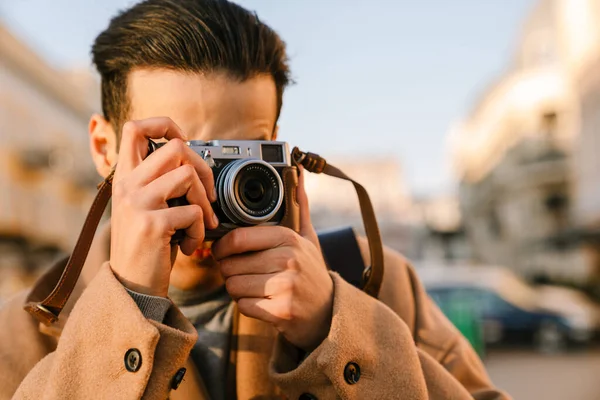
[378, 77]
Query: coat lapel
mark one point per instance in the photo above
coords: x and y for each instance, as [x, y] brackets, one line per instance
[192, 387]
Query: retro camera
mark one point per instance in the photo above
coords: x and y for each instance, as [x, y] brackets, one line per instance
[250, 179]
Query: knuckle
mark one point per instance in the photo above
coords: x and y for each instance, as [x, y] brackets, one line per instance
[189, 171]
[238, 237]
[125, 203]
[225, 268]
[291, 260]
[244, 306]
[232, 286]
[119, 190]
[292, 264]
[147, 225]
[291, 237]
[197, 210]
[177, 145]
[130, 128]
[165, 120]
[127, 200]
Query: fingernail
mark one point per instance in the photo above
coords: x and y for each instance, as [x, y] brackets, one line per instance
[214, 195]
[215, 219]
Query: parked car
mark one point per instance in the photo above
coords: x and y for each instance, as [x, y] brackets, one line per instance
[572, 304]
[510, 308]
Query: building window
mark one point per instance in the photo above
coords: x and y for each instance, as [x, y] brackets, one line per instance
[556, 202]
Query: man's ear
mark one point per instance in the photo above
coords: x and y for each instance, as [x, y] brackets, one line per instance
[103, 144]
[275, 132]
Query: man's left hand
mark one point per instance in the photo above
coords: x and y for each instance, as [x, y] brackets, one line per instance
[279, 276]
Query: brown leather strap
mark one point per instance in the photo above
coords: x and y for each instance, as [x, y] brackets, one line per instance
[373, 275]
[48, 309]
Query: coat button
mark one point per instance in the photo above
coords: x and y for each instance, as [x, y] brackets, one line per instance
[177, 378]
[352, 373]
[307, 396]
[133, 360]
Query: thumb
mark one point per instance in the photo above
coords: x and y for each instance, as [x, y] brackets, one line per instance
[306, 228]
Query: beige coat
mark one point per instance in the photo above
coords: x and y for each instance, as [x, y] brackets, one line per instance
[405, 348]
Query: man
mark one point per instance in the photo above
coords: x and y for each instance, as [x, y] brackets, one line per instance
[208, 69]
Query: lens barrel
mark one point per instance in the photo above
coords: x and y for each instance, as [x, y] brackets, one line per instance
[250, 191]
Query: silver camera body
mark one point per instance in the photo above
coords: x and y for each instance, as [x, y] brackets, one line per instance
[248, 179]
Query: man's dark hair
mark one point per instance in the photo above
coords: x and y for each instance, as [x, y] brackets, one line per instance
[213, 36]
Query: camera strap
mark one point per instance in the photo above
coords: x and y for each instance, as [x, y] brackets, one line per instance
[373, 274]
[47, 307]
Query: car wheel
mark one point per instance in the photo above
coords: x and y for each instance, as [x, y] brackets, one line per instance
[550, 338]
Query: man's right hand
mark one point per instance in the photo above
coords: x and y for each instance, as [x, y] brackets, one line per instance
[142, 224]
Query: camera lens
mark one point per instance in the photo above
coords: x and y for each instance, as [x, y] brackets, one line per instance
[255, 190]
[250, 191]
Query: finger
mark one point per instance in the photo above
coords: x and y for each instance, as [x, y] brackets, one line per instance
[255, 238]
[134, 139]
[170, 156]
[188, 218]
[260, 285]
[182, 181]
[267, 310]
[261, 262]
[306, 228]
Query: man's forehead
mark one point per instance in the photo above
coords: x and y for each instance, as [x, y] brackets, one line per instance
[205, 105]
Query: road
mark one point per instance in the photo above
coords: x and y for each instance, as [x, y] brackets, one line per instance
[531, 376]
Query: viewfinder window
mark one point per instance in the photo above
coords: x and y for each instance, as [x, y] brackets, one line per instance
[272, 153]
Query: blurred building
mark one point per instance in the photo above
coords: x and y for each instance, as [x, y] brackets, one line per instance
[382, 178]
[587, 151]
[442, 239]
[427, 230]
[47, 179]
[527, 155]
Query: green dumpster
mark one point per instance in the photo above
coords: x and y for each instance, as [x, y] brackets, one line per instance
[460, 309]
